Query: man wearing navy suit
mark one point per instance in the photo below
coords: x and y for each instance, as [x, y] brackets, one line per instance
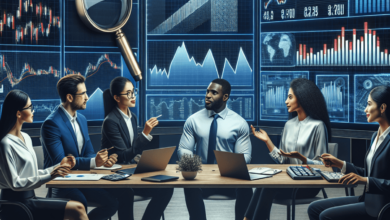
[66, 132]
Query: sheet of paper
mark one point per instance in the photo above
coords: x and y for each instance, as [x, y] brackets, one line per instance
[264, 170]
[81, 177]
[114, 167]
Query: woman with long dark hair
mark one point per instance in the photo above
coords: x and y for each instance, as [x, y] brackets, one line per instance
[375, 176]
[119, 130]
[304, 137]
[20, 175]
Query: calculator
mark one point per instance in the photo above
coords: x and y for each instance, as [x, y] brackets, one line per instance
[303, 173]
[116, 177]
[331, 176]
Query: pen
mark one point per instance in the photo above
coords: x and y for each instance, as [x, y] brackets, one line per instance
[158, 116]
[109, 148]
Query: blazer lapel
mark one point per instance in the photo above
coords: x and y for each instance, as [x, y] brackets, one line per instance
[84, 132]
[67, 122]
[123, 126]
[379, 150]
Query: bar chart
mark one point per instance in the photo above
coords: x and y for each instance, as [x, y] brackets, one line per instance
[364, 49]
[335, 89]
[371, 7]
[274, 86]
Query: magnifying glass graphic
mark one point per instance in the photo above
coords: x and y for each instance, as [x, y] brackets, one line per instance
[110, 16]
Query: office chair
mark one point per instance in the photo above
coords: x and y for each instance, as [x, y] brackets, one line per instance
[385, 212]
[21, 205]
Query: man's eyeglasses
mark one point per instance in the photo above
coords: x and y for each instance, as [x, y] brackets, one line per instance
[31, 107]
[83, 93]
[131, 94]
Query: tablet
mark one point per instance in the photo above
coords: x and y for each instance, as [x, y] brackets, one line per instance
[160, 178]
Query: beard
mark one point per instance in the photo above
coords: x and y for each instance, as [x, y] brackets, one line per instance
[77, 106]
[214, 105]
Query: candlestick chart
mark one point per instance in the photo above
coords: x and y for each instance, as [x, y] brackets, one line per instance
[29, 22]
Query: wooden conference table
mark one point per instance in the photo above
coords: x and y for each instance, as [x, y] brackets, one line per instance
[208, 178]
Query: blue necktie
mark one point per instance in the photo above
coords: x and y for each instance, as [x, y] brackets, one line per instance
[212, 140]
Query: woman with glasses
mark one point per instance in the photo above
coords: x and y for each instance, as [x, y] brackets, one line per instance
[19, 173]
[119, 130]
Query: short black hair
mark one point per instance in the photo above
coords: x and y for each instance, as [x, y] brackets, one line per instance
[68, 85]
[226, 87]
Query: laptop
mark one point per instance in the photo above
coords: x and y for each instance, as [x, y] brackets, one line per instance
[234, 165]
[151, 160]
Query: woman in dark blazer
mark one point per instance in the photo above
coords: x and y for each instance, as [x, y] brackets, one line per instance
[119, 130]
[375, 176]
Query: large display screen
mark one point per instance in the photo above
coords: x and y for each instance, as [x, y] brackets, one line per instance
[342, 45]
[191, 43]
[259, 46]
[44, 40]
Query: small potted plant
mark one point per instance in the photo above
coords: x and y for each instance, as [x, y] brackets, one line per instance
[189, 166]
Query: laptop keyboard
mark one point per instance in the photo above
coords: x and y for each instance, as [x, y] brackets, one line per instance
[302, 173]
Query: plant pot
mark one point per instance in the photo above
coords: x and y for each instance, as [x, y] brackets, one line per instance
[189, 175]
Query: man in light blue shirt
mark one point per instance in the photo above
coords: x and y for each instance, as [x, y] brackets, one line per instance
[215, 128]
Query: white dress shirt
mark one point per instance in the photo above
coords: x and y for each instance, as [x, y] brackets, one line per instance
[19, 166]
[232, 134]
[377, 142]
[78, 133]
[127, 119]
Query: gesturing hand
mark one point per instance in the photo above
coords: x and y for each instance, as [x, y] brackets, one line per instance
[294, 154]
[68, 161]
[261, 134]
[149, 125]
[61, 170]
[101, 157]
[331, 161]
[111, 160]
[352, 178]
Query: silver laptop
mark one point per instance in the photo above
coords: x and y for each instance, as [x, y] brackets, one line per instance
[234, 165]
[152, 160]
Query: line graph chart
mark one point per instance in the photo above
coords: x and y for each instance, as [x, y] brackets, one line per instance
[35, 73]
[196, 64]
[98, 68]
[179, 108]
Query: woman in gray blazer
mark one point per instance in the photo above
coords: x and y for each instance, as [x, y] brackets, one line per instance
[20, 175]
